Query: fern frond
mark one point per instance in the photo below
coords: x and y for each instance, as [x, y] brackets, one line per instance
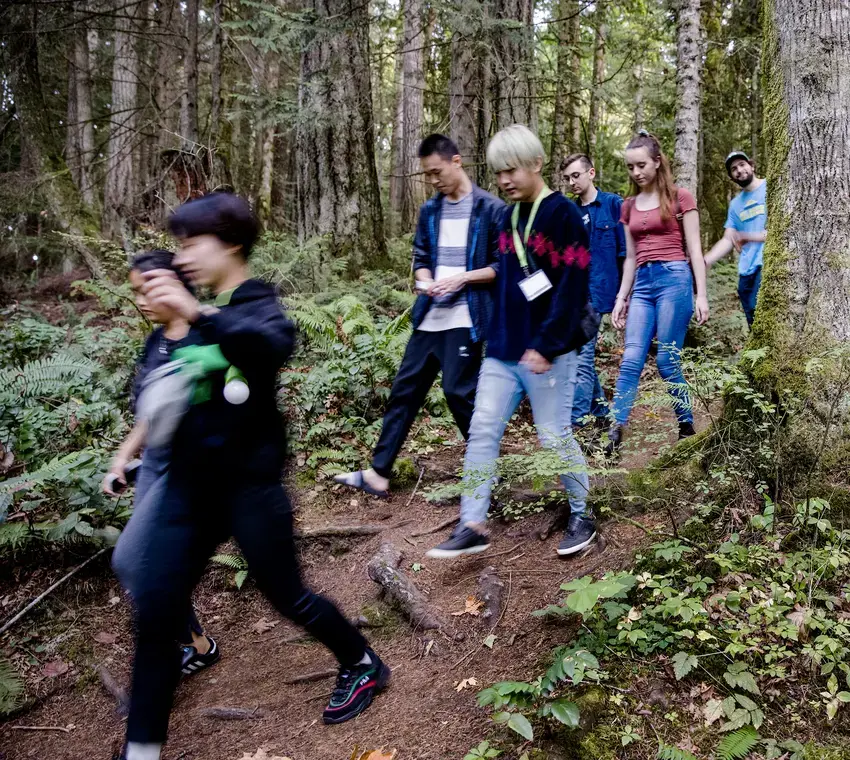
[666, 752]
[13, 535]
[46, 472]
[11, 687]
[738, 744]
[47, 377]
[232, 561]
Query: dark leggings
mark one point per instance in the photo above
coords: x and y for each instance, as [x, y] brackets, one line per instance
[169, 558]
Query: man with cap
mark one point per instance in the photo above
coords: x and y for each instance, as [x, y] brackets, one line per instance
[745, 229]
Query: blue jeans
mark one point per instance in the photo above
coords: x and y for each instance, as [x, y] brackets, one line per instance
[661, 306]
[501, 388]
[589, 397]
[748, 290]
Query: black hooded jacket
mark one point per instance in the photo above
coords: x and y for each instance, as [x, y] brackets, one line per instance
[243, 440]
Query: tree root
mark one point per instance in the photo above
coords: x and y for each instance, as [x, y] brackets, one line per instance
[309, 677]
[332, 531]
[232, 713]
[436, 528]
[384, 569]
[490, 589]
[115, 690]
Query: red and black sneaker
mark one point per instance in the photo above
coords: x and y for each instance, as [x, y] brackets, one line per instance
[355, 689]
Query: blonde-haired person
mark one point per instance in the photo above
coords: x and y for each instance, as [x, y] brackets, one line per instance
[541, 316]
[656, 297]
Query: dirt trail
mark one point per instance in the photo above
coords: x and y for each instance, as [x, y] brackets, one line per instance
[422, 715]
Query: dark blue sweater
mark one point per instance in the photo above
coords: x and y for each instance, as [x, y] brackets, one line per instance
[550, 324]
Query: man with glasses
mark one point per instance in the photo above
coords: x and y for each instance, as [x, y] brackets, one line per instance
[601, 216]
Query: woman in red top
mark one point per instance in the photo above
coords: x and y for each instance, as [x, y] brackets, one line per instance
[656, 297]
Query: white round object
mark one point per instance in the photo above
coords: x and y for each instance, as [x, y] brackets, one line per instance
[236, 392]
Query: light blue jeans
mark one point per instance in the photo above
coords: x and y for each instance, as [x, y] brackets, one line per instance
[661, 306]
[501, 388]
[589, 397]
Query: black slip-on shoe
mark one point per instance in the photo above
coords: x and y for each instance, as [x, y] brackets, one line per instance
[193, 660]
[463, 540]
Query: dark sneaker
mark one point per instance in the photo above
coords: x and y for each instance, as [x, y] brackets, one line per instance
[686, 430]
[193, 660]
[581, 530]
[615, 438]
[355, 689]
[464, 540]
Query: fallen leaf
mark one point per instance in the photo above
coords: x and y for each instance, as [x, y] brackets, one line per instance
[373, 754]
[712, 711]
[105, 638]
[55, 668]
[263, 625]
[472, 607]
[466, 683]
[428, 647]
[489, 641]
[114, 600]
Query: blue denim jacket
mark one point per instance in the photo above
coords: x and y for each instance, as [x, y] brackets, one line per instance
[482, 250]
[607, 244]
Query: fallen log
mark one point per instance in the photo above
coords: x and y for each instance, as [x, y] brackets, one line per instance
[331, 531]
[490, 591]
[231, 713]
[384, 569]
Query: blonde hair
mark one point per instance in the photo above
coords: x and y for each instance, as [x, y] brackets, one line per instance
[513, 147]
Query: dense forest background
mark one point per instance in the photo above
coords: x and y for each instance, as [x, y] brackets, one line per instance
[114, 111]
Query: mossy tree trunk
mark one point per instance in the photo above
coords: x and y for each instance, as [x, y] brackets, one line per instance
[688, 93]
[804, 303]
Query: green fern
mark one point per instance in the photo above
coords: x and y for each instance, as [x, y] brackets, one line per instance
[231, 561]
[738, 744]
[13, 535]
[46, 472]
[47, 377]
[11, 688]
[666, 752]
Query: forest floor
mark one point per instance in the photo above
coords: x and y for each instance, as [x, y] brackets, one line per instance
[426, 714]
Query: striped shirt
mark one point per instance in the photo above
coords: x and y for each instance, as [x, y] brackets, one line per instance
[451, 312]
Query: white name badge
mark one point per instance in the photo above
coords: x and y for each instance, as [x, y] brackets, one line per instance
[535, 285]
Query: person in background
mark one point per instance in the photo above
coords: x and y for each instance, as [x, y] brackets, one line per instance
[746, 223]
[454, 263]
[600, 213]
[656, 297]
[224, 471]
[541, 303]
[198, 650]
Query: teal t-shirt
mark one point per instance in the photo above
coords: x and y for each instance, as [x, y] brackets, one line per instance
[748, 213]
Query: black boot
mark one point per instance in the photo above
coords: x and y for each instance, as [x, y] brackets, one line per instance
[686, 430]
[615, 438]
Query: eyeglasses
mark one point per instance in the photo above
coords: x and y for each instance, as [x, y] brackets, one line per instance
[575, 175]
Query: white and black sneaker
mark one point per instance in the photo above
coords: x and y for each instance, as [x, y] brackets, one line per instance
[193, 660]
[464, 540]
[581, 530]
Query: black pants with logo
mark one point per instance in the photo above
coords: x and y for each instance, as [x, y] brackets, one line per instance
[160, 565]
[451, 351]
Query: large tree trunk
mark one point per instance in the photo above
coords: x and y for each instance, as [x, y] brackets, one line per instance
[337, 177]
[512, 64]
[407, 188]
[637, 123]
[189, 113]
[593, 119]
[120, 190]
[565, 115]
[85, 120]
[469, 109]
[72, 125]
[265, 140]
[688, 93]
[804, 303]
[216, 58]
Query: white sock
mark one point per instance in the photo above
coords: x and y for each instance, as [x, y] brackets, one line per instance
[137, 751]
[365, 661]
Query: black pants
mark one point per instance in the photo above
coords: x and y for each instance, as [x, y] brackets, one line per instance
[451, 351]
[169, 558]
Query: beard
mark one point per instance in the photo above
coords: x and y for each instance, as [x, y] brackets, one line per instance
[744, 181]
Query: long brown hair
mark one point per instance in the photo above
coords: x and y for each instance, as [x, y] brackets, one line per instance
[664, 177]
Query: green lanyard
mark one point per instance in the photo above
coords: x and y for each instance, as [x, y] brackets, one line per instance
[519, 244]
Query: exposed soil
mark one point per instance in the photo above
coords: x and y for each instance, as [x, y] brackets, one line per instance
[422, 714]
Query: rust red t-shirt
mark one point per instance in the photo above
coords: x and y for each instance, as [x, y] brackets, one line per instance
[655, 239]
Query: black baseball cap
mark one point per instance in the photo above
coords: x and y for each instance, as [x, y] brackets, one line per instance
[734, 155]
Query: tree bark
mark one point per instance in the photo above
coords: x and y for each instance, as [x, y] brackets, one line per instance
[216, 57]
[804, 303]
[72, 126]
[512, 63]
[407, 188]
[469, 109]
[189, 112]
[565, 123]
[688, 93]
[85, 120]
[637, 124]
[120, 190]
[266, 134]
[338, 181]
[593, 119]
